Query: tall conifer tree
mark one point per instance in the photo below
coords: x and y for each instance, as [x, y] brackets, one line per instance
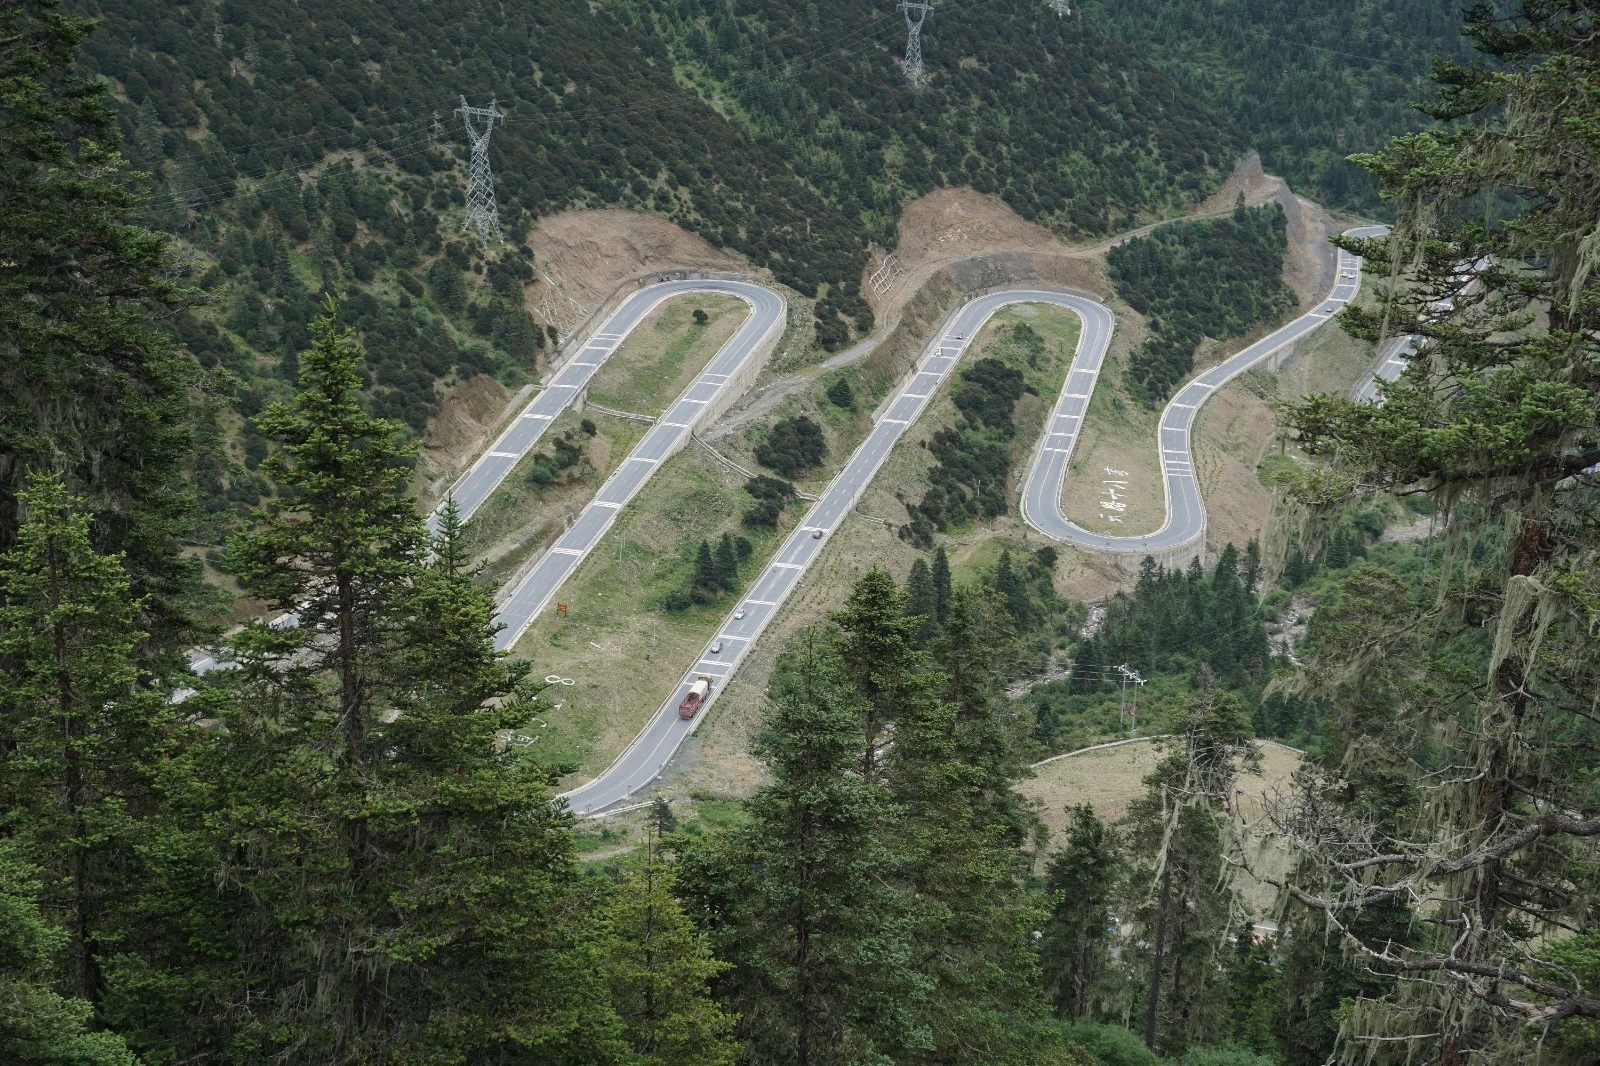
[796, 898]
[83, 734]
[386, 851]
[91, 388]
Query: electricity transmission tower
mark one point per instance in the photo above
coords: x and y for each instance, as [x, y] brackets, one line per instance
[1130, 675]
[482, 215]
[915, 12]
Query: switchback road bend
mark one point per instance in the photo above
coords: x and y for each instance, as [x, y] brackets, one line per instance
[768, 317]
[655, 745]
[475, 487]
[1185, 510]
[645, 758]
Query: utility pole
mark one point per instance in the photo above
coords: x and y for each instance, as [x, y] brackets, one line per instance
[915, 12]
[482, 215]
[1129, 675]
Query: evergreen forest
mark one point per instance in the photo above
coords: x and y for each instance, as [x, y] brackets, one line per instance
[229, 290]
[1193, 280]
[1310, 82]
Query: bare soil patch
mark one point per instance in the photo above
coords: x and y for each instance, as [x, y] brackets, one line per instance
[580, 257]
[469, 415]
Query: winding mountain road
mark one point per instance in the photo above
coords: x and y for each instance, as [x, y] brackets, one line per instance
[648, 754]
[644, 759]
[768, 311]
[1185, 524]
[1392, 360]
[728, 370]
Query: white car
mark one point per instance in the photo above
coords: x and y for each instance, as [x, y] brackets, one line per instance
[738, 614]
[716, 647]
[1347, 273]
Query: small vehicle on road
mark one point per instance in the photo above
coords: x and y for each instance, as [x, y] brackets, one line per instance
[961, 336]
[696, 696]
[716, 646]
[738, 614]
[816, 534]
[1347, 273]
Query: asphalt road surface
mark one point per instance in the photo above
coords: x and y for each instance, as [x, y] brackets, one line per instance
[768, 317]
[647, 756]
[644, 759]
[1185, 512]
[523, 435]
[1392, 360]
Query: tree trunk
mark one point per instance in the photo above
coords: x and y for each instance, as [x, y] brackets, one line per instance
[1510, 691]
[802, 951]
[349, 674]
[363, 988]
[88, 962]
[1153, 1006]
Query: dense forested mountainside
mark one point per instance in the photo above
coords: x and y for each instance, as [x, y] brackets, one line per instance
[299, 148]
[1308, 82]
[1214, 278]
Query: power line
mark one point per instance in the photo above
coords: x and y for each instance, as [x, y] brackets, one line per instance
[843, 46]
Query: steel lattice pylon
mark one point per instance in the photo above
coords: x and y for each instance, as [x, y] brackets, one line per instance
[482, 214]
[914, 11]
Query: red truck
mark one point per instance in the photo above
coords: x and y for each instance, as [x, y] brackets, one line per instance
[695, 697]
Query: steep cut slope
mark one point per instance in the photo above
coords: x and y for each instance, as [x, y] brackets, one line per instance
[1309, 82]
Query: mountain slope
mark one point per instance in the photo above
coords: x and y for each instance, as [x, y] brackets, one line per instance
[1309, 82]
[298, 148]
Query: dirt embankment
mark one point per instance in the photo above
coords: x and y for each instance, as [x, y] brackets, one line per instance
[467, 418]
[580, 257]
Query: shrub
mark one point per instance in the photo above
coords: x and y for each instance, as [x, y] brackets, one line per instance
[792, 446]
[841, 395]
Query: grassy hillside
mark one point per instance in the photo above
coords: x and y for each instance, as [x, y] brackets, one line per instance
[1308, 82]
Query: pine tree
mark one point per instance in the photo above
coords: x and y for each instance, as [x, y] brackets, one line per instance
[841, 395]
[960, 854]
[39, 1027]
[941, 582]
[1082, 879]
[1499, 422]
[1250, 572]
[90, 386]
[84, 733]
[658, 966]
[797, 899]
[726, 564]
[1013, 589]
[1175, 838]
[383, 848]
[875, 660]
[705, 569]
[920, 601]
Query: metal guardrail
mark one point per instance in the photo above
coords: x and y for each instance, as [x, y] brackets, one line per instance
[733, 467]
[590, 405]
